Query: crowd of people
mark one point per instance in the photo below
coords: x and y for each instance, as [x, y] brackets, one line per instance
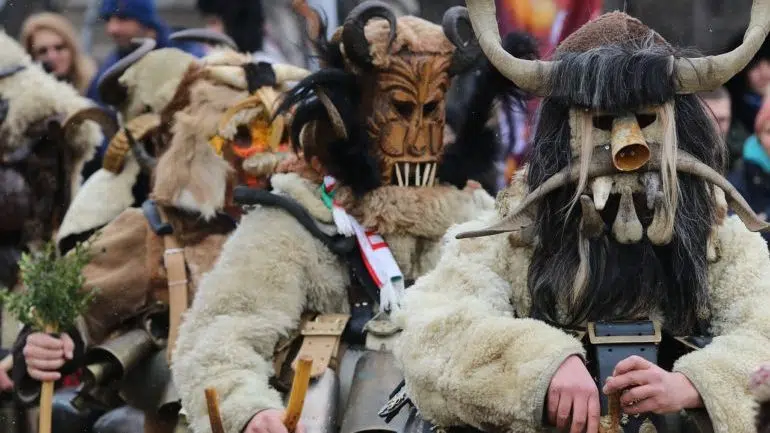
[269, 187]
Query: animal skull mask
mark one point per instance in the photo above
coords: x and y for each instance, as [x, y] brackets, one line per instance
[623, 132]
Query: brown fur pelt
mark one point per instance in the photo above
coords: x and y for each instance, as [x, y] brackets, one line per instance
[421, 212]
[189, 174]
[413, 35]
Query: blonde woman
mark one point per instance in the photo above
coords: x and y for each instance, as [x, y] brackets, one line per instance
[51, 39]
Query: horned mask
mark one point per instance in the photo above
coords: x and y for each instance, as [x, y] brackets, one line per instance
[403, 67]
[623, 131]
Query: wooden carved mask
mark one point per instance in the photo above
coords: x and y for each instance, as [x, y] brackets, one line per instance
[408, 118]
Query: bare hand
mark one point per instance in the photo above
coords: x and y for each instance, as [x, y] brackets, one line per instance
[646, 388]
[269, 421]
[6, 384]
[573, 395]
[45, 355]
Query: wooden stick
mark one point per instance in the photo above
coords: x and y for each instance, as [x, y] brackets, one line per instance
[298, 391]
[212, 401]
[46, 398]
[611, 422]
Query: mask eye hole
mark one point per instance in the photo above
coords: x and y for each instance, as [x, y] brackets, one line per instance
[646, 119]
[429, 108]
[604, 122]
[405, 109]
[242, 136]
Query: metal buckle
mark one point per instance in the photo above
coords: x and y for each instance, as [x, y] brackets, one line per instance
[655, 338]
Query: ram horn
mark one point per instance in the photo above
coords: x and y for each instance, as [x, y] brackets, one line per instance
[708, 73]
[100, 116]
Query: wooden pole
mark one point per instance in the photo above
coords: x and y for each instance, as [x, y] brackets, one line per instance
[611, 422]
[46, 398]
[212, 401]
[298, 392]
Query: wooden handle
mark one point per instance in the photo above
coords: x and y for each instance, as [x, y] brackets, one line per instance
[212, 401]
[298, 391]
[611, 422]
[46, 399]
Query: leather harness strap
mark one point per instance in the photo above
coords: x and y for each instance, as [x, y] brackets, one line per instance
[176, 274]
[321, 341]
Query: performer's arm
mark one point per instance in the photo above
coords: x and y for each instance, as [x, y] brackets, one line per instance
[466, 358]
[255, 294]
[740, 295]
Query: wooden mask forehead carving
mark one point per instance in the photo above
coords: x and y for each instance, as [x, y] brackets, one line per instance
[408, 115]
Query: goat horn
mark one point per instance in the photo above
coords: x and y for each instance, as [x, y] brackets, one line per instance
[467, 52]
[145, 160]
[106, 121]
[708, 73]
[354, 35]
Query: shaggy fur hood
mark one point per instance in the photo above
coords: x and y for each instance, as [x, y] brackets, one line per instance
[33, 96]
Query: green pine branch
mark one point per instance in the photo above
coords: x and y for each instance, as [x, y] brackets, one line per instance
[53, 295]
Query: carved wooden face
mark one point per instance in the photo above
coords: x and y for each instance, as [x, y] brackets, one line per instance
[408, 118]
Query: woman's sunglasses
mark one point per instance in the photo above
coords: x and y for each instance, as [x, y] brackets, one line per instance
[41, 51]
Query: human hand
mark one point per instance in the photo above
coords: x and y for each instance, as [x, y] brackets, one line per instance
[573, 391]
[269, 421]
[6, 384]
[45, 355]
[646, 387]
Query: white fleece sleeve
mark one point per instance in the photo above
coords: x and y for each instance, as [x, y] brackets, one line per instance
[255, 294]
[740, 298]
[466, 359]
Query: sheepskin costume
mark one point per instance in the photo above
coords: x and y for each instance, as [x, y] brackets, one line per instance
[47, 133]
[620, 215]
[191, 191]
[385, 165]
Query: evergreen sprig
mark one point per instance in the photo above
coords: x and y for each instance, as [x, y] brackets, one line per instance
[52, 297]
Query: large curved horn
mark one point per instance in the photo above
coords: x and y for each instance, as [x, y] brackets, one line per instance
[467, 52]
[531, 76]
[204, 35]
[119, 146]
[110, 89]
[601, 165]
[145, 160]
[102, 117]
[284, 73]
[353, 34]
[708, 73]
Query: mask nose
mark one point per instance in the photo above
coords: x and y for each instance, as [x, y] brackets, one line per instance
[629, 148]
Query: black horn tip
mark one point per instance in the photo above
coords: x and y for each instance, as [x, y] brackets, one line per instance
[145, 160]
[204, 36]
[110, 90]
[354, 35]
[467, 52]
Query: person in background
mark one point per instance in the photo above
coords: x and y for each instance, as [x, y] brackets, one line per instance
[244, 22]
[129, 19]
[751, 176]
[51, 39]
[719, 105]
[747, 88]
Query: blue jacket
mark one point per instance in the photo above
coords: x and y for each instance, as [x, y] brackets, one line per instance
[751, 177]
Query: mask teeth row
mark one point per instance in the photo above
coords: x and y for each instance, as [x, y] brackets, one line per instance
[420, 174]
